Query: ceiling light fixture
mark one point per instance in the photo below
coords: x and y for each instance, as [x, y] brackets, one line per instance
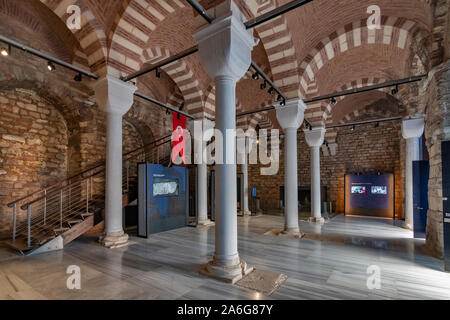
[78, 77]
[263, 85]
[271, 90]
[283, 103]
[333, 101]
[158, 73]
[51, 66]
[5, 51]
[395, 90]
[255, 76]
[353, 128]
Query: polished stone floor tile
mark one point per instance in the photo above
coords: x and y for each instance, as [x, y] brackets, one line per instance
[332, 264]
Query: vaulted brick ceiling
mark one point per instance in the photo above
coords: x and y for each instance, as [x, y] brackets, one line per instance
[319, 48]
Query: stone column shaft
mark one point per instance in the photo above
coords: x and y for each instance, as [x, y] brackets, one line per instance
[225, 48]
[115, 98]
[315, 138]
[290, 118]
[412, 130]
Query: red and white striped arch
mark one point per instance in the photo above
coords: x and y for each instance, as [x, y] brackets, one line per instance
[135, 25]
[91, 36]
[277, 42]
[183, 77]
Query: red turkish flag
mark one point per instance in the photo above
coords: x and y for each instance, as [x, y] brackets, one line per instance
[178, 136]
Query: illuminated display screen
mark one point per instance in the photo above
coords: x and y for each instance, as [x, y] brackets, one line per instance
[358, 189]
[165, 187]
[379, 190]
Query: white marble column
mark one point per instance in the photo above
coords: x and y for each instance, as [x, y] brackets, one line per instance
[315, 138]
[115, 98]
[225, 49]
[412, 130]
[290, 118]
[202, 170]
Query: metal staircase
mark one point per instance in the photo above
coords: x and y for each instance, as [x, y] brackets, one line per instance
[58, 214]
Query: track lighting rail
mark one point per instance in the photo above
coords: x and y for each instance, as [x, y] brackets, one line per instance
[47, 57]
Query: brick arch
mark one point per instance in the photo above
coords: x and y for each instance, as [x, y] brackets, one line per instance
[277, 41]
[327, 108]
[136, 21]
[182, 75]
[91, 36]
[395, 31]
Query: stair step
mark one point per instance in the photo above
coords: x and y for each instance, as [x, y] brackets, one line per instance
[71, 222]
[61, 230]
[19, 244]
[87, 214]
[46, 239]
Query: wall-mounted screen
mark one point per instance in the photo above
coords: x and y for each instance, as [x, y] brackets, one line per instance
[165, 187]
[379, 190]
[369, 195]
[358, 189]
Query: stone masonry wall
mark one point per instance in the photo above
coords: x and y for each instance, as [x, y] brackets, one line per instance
[33, 148]
[366, 150]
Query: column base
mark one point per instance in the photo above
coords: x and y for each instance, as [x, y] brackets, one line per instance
[205, 223]
[407, 226]
[246, 213]
[316, 220]
[114, 240]
[229, 274]
[293, 232]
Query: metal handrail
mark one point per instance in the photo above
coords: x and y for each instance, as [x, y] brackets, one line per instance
[11, 204]
[62, 202]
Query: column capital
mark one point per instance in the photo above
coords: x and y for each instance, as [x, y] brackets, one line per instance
[114, 95]
[292, 114]
[413, 128]
[315, 137]
[225, 46]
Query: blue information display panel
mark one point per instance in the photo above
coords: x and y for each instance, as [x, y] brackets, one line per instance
[162, 198]
[369, 195]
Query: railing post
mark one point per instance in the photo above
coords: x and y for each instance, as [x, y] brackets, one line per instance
[87, 195]
[128, 175]
[45, 206]
[29, 225]
[70, 191]
[14, 221]
[60, 209]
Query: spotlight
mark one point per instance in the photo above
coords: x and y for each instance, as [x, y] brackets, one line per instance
[78, 77]
[51, 66]
[279, 97]
[395, 90]
[167, 111]
[158, 73]
[263, 85]
[255, 76]
[326, 143]
[377, 124]
[271, 90]
[353, 128]
[5, 51]
[283, 103]
[333, 101]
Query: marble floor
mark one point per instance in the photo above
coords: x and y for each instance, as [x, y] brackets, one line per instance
[332, 265]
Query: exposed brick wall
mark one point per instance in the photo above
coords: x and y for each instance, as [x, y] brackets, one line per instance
[366, 150]
[33, 147]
